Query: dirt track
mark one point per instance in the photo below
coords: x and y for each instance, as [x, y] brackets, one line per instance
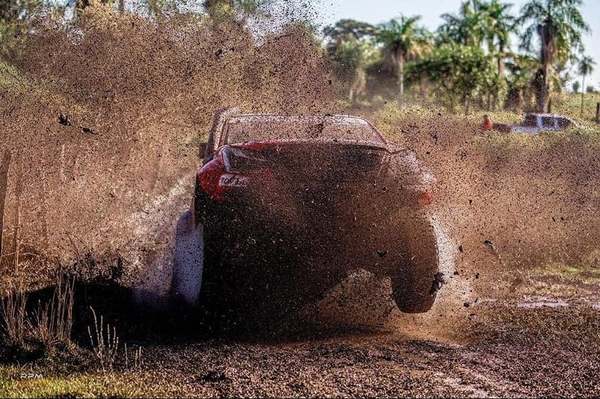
[521, 345]
[511, 347]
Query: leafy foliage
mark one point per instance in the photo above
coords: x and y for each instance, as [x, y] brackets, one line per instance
[351, 49]
[576, 86]
[480, 31]
[559, 22]
[459, 72]
[585, 66]
[404, 40]
[559, 26]
[15, 16]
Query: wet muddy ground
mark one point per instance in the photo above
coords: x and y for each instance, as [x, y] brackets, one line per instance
[520, 345]
[508, 360]
[542, 339]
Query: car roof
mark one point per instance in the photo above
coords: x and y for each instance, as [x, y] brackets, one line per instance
[308, 117]
[546, 115]
[280, 117]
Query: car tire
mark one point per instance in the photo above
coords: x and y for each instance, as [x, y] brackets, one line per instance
[187, 262]
[415, 281]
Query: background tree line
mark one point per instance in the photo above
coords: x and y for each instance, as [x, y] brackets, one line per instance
[485, 55]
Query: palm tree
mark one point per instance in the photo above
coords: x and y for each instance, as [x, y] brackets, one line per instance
[585, 68]
[559, 25]
[499, 24]
[466, 27]
[404, 39]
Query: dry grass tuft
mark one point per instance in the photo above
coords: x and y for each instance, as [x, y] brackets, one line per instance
[14, 316]
[46, 329]
[104, 342]
[53, 321]
[137, 361]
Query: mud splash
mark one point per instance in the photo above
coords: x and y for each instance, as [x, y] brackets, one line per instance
[364, 301]
[443, 322]
[117, 105]
[542, 302]
[160, 231]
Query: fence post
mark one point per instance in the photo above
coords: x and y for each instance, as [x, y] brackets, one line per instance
[19, 194]
[4, 166]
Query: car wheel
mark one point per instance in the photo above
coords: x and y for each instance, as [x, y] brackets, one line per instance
[415, 280]
[188, 261]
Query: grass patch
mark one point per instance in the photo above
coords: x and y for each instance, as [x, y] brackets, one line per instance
[27, 382]
[582, 272]
[22, 382]
[395, 122]
[584, 139]
[571, 105]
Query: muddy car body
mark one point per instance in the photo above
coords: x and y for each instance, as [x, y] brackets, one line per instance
[289, 205]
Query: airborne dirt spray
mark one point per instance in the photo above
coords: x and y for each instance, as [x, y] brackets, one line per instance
[115, 106]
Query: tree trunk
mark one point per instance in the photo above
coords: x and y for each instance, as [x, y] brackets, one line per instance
[121, 6]
[4, 168]
[359, 85]
[544, 93]
[582, 94]
[520, 101]
[544, 90]
[422, 89]
[501, 67]
[466, 103]
[400, 61]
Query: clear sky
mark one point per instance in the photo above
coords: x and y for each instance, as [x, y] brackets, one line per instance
[376, 11]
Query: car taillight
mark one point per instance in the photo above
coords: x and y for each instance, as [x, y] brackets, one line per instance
[425, 198]
[209, 177]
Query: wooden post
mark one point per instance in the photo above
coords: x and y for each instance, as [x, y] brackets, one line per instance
[4, 167]
[19, 193]
[598, 113]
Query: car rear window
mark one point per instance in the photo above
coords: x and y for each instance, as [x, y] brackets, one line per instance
[548, 121]
[564, 123]
[260, 128]
[530, 121]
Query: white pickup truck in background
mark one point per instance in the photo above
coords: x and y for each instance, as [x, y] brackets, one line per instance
[537, 123]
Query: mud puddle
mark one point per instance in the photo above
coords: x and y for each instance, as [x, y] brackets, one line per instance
[542, 302]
